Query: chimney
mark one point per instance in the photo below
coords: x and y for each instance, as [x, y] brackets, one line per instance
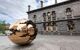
[29, 7]
[55, 1]
[41, 4]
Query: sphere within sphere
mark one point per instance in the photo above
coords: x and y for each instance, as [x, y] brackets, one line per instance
[25, 36]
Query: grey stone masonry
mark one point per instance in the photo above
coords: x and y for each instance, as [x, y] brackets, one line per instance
[61, 18]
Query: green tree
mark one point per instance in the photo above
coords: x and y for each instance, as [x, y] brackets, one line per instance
[2, 26]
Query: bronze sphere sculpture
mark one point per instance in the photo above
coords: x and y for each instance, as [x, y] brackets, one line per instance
[24, 34]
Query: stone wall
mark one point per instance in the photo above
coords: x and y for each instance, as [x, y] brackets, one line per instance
[60, 15]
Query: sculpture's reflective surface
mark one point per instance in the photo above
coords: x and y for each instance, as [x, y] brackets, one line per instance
[23, 32]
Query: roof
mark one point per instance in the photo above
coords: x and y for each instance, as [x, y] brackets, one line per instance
[54, 5]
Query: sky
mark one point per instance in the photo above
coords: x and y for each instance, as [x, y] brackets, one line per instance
[12, 10]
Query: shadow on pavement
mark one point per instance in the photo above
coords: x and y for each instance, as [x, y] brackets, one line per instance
[22, 46]
[18, 47]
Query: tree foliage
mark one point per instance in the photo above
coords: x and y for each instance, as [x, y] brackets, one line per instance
[2, 26]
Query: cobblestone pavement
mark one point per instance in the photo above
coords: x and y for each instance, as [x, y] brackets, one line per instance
[44, 42]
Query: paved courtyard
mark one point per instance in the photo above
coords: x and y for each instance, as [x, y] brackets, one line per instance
[44, 42]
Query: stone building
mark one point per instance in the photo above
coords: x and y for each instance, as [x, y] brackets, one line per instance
[59, 18]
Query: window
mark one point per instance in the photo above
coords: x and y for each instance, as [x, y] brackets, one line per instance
[53, 19]
[54, 23]
[69, 13]
[44, 17]
[54, 26]
[34, 18]
[70, 25]
[53, 15]
[49, 16]
[51, 23]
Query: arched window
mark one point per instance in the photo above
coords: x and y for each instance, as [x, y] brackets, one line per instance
[49, 16]
[69, 13]
[53, 15]
[34, 18]
[44, 17]
[68, 10]
[53, 19]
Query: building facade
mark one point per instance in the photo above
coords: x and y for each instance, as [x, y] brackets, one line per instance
[60, 18]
